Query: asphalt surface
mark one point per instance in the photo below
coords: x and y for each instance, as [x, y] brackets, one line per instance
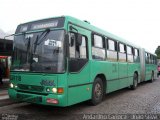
[145, 100]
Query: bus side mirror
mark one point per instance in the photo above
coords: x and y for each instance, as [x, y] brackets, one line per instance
[79, 39]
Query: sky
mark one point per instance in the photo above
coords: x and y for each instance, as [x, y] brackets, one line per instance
[137, 21]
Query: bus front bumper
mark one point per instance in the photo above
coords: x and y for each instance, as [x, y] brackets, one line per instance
[44, 99]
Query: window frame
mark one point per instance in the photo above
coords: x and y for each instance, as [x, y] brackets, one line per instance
[124, 47]
[137, 52]
[102, 48]
[132, 53]
[86, 42]
[87, 52]
[115, 44]
[119, 52]
[109, 50]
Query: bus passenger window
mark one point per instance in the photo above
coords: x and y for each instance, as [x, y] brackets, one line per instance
[147, 58]
[77, 51]
[129, 54]
[98, 49]
[136, 55]
[111, 45]
[121, 48]
[122, 52]
[112, 50]
[136, 52]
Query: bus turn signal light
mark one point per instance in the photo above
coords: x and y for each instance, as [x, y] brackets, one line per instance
[60, 90]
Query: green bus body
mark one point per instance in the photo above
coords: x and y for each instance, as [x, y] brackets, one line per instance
[116, 72]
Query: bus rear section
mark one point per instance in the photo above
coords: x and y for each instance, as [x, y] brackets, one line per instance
[148, 63]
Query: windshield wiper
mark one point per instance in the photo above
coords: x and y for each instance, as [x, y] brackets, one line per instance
[39, 39]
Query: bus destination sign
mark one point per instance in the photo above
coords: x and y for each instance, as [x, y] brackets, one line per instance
[41, 24]
[44, 25]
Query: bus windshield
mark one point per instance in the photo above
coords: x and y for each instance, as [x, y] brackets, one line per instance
[39, 52]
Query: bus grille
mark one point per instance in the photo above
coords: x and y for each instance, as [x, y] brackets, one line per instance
[31, 88]
[23, 97]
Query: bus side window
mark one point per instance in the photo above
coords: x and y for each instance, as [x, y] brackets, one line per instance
[98, 47]
[136, 55]
[129, 54]
[111, 50]
[77, 51]
[147, 58]
[122, 52]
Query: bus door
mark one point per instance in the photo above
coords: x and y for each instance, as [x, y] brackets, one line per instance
[79, 86]
[122, 66]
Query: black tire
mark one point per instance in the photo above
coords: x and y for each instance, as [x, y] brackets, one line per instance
[152, 77]
[135, 81]
[97, 92]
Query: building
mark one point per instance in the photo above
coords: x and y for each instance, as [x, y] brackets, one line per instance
[6, 47]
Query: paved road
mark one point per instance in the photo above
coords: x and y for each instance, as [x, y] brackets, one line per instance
[144, 100]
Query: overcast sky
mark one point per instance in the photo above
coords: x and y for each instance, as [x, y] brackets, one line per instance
[137, 21]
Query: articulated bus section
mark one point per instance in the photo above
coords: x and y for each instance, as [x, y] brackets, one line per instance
[62, 61]
[148, 63]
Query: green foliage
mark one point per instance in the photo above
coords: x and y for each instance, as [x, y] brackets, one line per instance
[157, 52]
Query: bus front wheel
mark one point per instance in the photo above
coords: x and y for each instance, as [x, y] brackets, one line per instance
[97, 91]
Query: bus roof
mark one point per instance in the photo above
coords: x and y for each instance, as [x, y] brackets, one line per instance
[90, 27]
[98, 30]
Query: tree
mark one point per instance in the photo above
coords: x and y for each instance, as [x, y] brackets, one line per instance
[157, 52]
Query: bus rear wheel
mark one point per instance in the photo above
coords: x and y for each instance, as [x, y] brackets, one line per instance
[97, 91]
[135, 81]
[152, 77]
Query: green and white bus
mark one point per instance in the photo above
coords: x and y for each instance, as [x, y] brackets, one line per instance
[62, 61]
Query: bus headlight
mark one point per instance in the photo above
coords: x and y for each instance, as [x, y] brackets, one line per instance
[47, 89]
[54, 90]
[11, 85]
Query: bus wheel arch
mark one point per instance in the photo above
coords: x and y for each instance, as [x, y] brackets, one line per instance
[136, 72]
[152, 77]
[135, 81]
[103, 78]
[100, 83]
